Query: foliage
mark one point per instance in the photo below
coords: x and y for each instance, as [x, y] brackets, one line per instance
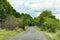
[11, 23]
[6, 10]
[47, 21]
[9, 18]
[27, 19]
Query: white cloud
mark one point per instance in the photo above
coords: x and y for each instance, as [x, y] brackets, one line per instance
[33, 7]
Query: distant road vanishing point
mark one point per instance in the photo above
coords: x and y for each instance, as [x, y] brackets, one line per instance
[30, 34]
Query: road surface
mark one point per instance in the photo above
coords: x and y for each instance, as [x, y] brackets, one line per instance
[30, 34]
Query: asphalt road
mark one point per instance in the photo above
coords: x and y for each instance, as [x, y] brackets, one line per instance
[30, 34]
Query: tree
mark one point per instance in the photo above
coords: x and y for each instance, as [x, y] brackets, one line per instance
[27, 19]
[46, 21]
[6, 12]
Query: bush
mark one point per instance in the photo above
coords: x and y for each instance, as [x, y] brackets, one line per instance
[50, 25]
[11, 23]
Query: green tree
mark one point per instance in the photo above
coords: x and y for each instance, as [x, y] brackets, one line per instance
[47, 21]
[7, 11]
[27, 19]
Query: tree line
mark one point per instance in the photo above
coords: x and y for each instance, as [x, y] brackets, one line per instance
[11, 19]
[47, 22]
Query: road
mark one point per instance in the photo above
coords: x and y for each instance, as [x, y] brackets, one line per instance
[30, 34]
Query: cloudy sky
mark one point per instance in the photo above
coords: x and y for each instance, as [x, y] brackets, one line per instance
[35, 7]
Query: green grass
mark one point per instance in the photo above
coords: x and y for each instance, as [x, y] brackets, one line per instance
[51, 35]
[58, 35]
[54, 36]
[8, 33]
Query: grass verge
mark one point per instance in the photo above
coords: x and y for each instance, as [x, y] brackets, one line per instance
[7, 33]
[54, 36]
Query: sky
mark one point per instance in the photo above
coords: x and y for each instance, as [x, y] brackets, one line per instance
[35, 7]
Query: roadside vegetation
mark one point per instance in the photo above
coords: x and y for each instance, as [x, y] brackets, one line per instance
[52, 35]
[48, 24]
[8, 33]
[13, 22]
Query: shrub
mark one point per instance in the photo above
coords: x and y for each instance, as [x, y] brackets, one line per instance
[11, 23]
